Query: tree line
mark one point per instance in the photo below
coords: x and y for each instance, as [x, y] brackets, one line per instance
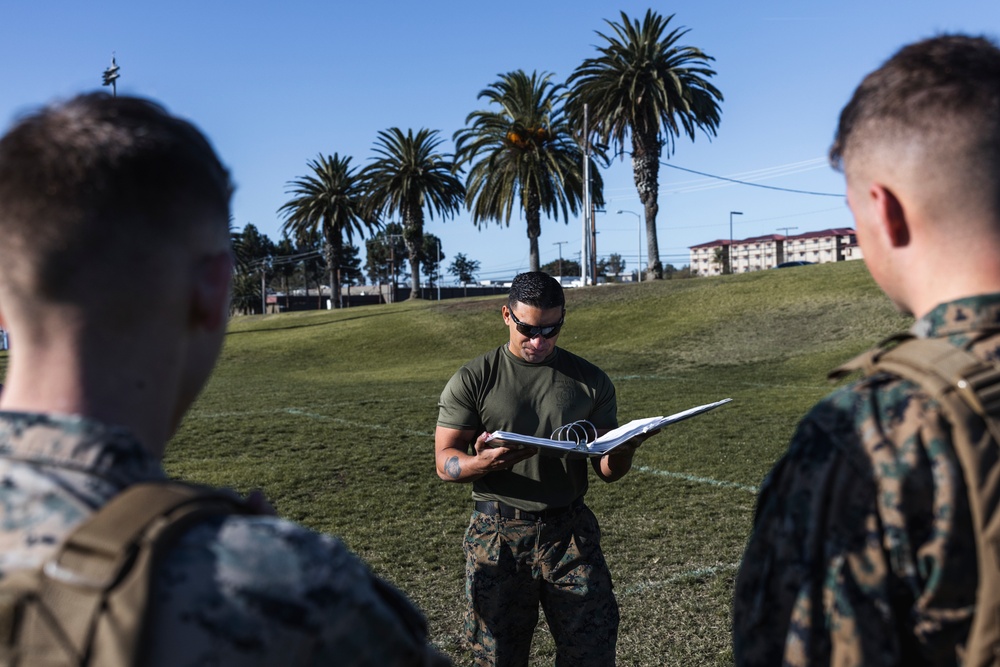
[530, 150]
[291, 264]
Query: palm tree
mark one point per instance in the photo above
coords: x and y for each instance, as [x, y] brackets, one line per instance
[523, 153]
[408, 174]
[328, 201]
[644, 85]
[721, 259]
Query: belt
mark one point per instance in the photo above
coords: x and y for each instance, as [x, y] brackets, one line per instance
[504, 510]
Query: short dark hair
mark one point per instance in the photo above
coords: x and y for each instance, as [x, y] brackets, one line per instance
[938, 88]
[537, 289]
[101, 179]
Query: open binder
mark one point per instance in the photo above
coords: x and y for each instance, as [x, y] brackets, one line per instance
[581, 437]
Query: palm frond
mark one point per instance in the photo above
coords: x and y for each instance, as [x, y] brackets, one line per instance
[645, 83]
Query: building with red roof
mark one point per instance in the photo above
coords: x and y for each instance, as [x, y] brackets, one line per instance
[766, 252]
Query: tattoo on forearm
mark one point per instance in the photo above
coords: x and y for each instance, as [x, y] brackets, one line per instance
[453, 467]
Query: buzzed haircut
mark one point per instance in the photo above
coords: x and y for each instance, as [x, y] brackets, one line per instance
[939, 89]
[101, 179]
[537, 289]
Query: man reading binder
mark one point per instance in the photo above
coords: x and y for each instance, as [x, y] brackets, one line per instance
[531, 540]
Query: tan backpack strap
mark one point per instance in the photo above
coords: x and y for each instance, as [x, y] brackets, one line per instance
[867, 361]
[948, 369]
[99, 581]
[17, 586]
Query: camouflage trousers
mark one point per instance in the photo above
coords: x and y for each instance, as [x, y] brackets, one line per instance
[512, 566]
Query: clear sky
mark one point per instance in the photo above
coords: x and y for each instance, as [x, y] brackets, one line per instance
[274, 84]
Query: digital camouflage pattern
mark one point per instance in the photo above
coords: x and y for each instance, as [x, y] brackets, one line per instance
[863, 551]
[508, 563]
[237, 590]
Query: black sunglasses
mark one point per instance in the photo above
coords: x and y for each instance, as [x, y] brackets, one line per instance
[531, 332]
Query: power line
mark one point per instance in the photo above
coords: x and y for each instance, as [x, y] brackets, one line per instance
[698, 184]
[753, 185]
[275, 260]
[753, 176]
[799, 166]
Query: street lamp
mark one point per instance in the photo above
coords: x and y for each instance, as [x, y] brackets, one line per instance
[731, 214]
[638, 269]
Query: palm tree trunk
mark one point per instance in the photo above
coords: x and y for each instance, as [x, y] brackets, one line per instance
[332, 249]
[333, 285]
[413, 234]
[646, 170]
[340, 292]
[414, 253]
[533, 215]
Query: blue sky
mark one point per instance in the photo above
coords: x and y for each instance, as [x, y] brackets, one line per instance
[274, 84]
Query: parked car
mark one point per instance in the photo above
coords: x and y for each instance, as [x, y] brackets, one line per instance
[785, 265]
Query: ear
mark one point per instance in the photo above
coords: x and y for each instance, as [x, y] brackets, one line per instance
[210, 301]
[505, 312]
[891, 215]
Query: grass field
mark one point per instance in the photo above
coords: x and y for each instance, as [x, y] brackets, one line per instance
[332, 414]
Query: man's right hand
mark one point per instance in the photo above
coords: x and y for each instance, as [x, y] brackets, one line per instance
[454, 463]
[495, 455]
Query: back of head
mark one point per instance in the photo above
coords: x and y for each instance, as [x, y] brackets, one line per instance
[537, 289]
[94, 192]
[931, 114]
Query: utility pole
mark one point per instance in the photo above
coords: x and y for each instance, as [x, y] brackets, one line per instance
[392, 262]
[593, 241]
[439, 270]
[560, 244]
[584, 249]
[782, 257]
[111, 76]
[264, 264]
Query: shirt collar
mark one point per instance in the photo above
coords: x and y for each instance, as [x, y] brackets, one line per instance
[974, 313]
[77, 443]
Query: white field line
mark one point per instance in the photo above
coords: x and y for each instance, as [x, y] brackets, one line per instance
[444, 639]
[746, 385]
[640, 587]
[300, 412]
[698, 573]
[357, 425]
[700, 480]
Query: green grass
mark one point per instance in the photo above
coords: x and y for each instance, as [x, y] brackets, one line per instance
[332, 415]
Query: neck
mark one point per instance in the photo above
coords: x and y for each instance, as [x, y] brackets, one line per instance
[942, 274]
[114, 385]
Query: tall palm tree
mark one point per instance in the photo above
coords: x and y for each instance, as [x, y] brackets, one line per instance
[328, 201]
[648, 87]
[407, 175]
[523, 152]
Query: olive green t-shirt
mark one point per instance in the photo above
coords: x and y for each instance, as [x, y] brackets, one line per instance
[501, 391]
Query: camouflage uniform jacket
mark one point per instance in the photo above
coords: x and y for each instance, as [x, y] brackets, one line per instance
[239, 590]
[862, 551]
